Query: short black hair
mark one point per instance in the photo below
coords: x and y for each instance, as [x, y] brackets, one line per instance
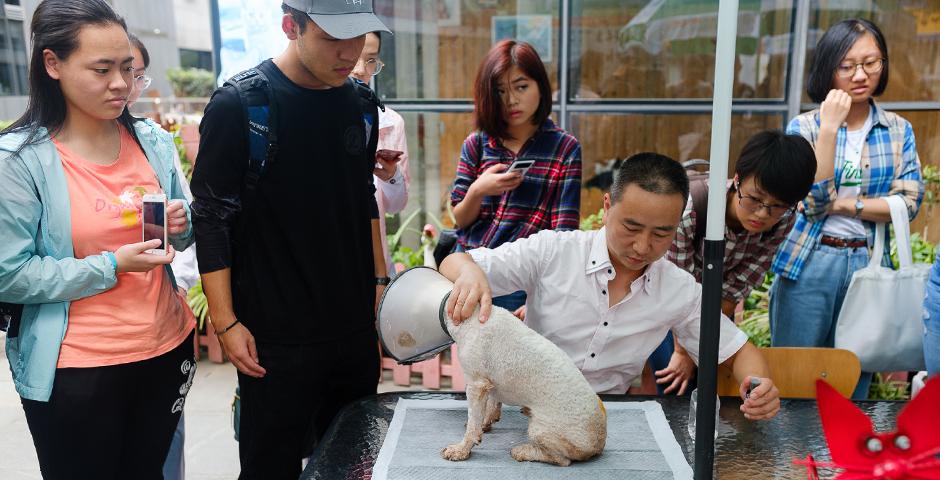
[300, 18]
[782, 165]
[652, 172]
[135, 41]
[831, 49]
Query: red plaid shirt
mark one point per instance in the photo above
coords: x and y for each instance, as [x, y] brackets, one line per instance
[747, 255]
[548, 198]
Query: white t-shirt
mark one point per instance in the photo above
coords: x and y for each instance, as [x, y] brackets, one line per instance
[850, 184]
[565, 276]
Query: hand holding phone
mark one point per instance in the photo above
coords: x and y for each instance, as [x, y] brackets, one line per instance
[154, 221]
[521, 166]
[389, 155]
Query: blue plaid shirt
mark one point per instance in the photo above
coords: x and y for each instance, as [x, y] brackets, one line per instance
[890, 166]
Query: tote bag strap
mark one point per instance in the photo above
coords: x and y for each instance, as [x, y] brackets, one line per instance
[902, 229]
[881, 232]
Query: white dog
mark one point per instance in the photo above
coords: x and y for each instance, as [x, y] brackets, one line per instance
[505, 361]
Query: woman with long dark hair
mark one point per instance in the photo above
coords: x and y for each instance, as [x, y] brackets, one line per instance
[492, 205]
[101, 356]
[863, 154]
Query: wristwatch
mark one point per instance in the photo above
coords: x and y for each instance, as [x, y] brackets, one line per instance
[382, 280]
[859, 206]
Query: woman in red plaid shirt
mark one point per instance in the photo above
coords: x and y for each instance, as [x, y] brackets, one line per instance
[492, 205]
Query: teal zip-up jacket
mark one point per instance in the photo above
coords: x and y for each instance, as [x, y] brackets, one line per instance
[37, 264]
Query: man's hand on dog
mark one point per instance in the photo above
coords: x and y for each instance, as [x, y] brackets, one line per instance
[763, 402]
[470, 290]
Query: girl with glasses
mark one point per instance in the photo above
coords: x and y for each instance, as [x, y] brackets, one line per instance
[391, 160]
[863, 154]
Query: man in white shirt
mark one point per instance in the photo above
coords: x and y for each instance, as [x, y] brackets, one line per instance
[608, 297]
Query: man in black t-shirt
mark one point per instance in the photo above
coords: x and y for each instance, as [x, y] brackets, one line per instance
[293, 269]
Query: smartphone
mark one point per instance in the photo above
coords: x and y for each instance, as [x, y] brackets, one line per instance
[153, 224]
[521, 166]
[389, 155]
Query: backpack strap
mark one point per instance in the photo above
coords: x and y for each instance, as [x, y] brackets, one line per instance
[257, 98]
[698, 190]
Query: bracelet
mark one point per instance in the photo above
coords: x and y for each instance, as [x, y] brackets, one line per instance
[222, 332]
[110, 256]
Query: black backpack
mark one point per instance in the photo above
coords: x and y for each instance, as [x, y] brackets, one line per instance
[256, 95]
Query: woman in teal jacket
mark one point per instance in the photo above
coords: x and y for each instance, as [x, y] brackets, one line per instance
[102, 354]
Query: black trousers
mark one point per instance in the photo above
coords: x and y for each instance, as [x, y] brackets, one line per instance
[113, 422]
[285, 413]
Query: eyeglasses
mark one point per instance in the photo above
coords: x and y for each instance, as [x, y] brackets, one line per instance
[142, 81]
[372, 66]
[870, 67]
[752, 204]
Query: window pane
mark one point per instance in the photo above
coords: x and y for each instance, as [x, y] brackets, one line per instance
[19, 55]
[438, 45]
[434, 142]
[666, 49]
[912, 32]
[682, 136]
[927, 134]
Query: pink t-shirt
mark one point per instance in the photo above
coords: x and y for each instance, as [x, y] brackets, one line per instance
[142, 316]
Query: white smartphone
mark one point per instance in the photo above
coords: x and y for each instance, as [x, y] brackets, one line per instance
[153, 221]
[521, 166]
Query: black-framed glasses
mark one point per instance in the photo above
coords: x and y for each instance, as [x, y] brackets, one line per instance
[752, 204]
[870, 67]
[142, 81]
[372, 66]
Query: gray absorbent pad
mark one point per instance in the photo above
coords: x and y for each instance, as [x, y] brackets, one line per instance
[640, 445]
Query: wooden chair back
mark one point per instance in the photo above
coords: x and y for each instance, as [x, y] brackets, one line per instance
[795, 370]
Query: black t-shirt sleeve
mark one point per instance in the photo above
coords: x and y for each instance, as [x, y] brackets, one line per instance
[218, 178]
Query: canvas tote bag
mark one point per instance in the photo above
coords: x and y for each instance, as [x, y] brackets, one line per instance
[882, 316]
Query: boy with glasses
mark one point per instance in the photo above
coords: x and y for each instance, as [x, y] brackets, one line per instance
[773, 174]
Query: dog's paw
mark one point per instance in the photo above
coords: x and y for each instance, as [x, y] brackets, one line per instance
[522, 453]
[455, 453]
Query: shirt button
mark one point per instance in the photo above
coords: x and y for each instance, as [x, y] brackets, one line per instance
[592, 355]
[605, 324]
[593, 262]
[392, 181]
[609, 271]
[604, 292]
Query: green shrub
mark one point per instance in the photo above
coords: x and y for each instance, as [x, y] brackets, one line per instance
[199, 304]
[191, 82]
[756, 323]
[922, 251]
[594, 221]
[882, 389]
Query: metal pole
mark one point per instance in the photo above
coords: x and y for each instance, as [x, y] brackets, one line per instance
[798, 59]
[714, 240]
[563, 64]
[216, 38]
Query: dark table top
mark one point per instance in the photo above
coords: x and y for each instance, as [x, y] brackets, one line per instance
[744, 449]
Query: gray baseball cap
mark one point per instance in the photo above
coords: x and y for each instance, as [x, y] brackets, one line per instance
[341, 19]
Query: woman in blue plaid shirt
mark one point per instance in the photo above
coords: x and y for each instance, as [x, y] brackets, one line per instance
[863, 153]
